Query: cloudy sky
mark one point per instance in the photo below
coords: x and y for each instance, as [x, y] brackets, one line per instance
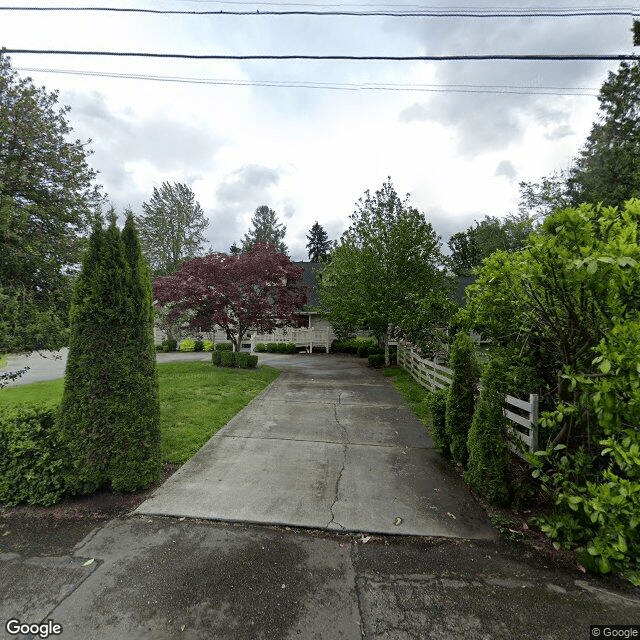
[457, 136]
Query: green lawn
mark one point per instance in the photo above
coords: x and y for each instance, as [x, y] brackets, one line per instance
[414, 394]
[3, 359]
[196, 399]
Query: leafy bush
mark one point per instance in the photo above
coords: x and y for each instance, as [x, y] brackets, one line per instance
[253, 362]
[228, 358]
[261, 347]
[169, 345]
[33, 456]
[245, 360]
[216, 357]
[207, 345]
[376, 361]
[272, 347]
[198, 346]
[224, 346]
[487, 442]
[351, 345]
[159, 347]
[461, 399]
[188, 345]
[289, 347]
[437, 404]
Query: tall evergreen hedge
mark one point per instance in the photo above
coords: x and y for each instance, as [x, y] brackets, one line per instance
[488, 452]
[110, 409]
[462, 395]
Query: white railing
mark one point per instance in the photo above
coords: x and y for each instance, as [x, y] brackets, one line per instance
[522, 414]
[301, 337]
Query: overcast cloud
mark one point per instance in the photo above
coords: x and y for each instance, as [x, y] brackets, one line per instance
[309, 153]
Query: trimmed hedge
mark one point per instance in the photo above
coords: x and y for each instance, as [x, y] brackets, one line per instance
[245, 360]
[169, 345]
[261, 347]
[376, 360]
[216, 356]
[34, 459]
[227, 359]
[224, 346]
[281, 347]
[351, 345]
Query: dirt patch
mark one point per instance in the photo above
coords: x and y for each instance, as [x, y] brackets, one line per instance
[45, 531]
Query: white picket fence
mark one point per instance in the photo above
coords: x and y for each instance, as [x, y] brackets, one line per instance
[522, 414]
[301, 337]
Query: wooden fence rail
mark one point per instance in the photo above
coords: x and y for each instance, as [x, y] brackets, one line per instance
[522, 414]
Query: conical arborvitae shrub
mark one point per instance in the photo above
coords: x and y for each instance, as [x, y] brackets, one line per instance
[106, 377]
[463, 392]
[135, 457]
[487, 444]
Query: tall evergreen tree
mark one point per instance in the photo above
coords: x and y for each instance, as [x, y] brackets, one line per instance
[110, 411]
[171, 228]
[319, 244]
[265, 229]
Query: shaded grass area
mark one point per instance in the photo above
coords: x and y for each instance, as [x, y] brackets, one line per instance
[414, 394]
[3, 359]
[196, 400]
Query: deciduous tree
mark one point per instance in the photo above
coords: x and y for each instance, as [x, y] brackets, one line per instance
[48, 201]
[171, 227]
[258, 289]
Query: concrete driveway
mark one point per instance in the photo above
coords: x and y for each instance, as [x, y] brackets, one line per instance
[329, 445]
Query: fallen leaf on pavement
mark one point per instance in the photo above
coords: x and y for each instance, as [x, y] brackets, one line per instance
[88, 562]
[451, 515]
[365, 539]
[397, 521]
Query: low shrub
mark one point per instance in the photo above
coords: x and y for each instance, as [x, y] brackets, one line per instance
[261, 347]
[272, 347]
[376, 360]
[351, 345]
[34, 461]
[224, 346]
[228, 358]
[216, 357]
[253, 362]
[199, 345]
[289, 347]
[159, 347]
[246, 360]
[170, 344]
[188, 345]
[207, 345]
[437, 404]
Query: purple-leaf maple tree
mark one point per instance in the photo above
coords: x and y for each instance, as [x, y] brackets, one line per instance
[260, 290]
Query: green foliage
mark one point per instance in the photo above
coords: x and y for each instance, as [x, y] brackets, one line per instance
[281, 347]
[33, 455]
[188, 345]
[198, 345]
[228, 358]
[265, 229]
[354, 345]
[246, 360]
[110, 407]
[169, 345]
[171, 227]
[252, 362]
[488, 453]
[437, 404]
[319, 243]
[224, 346]
[261, 347]
[207, 345]
[48, 202]
[376, 360]
[216, 357]
[272, 347]
[386, 271]
[461, 399]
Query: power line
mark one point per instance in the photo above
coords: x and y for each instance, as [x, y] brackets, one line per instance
[561, 57]
[420, 13]
[302, 84]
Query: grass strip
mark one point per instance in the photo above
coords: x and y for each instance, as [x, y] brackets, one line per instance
[414, 394]
[196, 400]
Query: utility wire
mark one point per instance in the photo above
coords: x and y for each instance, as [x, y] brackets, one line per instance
[563, 57]
[306, 84]
[430, 13]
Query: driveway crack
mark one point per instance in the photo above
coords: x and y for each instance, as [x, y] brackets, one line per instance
[345, 442]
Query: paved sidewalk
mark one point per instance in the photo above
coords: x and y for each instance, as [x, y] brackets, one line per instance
[329, 445]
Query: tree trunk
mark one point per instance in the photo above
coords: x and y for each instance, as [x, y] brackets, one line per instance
[387, 360]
